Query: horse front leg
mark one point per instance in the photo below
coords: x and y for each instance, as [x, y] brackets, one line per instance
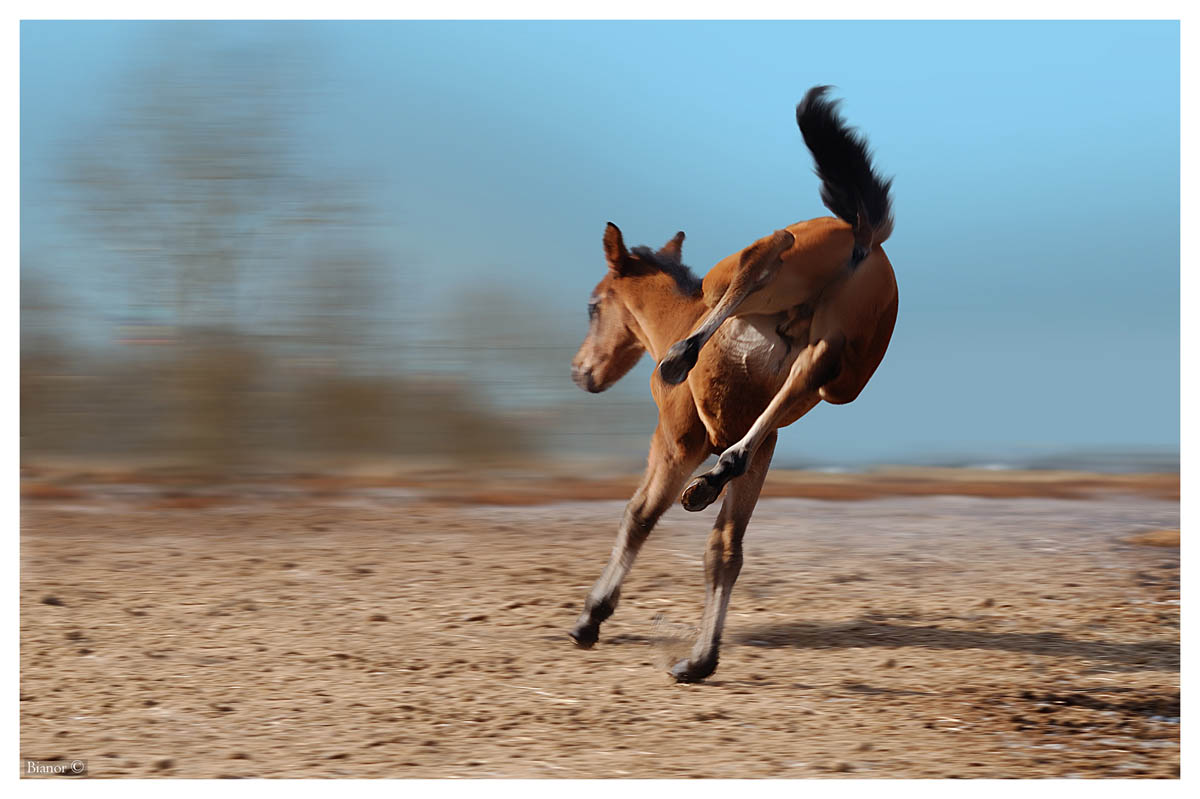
[670, 464]
[723, 563]
[757, 265]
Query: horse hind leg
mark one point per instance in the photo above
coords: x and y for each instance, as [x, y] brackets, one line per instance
[818, 364]
[723, 563]
[757, 265]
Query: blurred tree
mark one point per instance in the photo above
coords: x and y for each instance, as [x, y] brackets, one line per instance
[198, 177]
[199, 184]
[256, 315]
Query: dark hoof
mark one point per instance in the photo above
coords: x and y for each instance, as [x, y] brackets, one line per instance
[703, 491]
[585, 637]
[678, 361]
[686, 671]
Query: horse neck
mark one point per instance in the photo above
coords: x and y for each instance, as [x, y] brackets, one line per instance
[664, 314]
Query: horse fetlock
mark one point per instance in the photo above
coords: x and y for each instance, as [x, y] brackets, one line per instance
[599, 610]
[732, 463]
[586, 631]
[679, 360]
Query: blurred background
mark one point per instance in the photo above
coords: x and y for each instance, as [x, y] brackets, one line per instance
[253, 244]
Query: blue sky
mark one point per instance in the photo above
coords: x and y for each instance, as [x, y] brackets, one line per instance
[1036, 188]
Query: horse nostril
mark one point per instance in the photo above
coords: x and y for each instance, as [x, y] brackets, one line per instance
[583, 378]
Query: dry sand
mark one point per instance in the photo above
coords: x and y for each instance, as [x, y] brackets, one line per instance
[365, 631]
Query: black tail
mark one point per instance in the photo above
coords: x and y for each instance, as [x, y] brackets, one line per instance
[849, 186]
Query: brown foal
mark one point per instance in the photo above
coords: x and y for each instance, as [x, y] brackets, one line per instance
[800, 316]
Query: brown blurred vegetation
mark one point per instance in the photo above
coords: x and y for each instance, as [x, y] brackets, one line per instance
[221, 402]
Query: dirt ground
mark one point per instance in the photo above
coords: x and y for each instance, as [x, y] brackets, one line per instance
[371, 632]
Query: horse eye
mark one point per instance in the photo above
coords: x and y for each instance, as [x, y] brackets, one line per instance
[593, 309]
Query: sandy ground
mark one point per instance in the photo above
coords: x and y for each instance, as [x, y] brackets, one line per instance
[376, 634]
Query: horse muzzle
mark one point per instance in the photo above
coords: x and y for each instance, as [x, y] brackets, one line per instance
[585, 379]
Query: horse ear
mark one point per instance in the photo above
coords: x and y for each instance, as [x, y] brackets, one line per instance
[673, 249]
[614, 248]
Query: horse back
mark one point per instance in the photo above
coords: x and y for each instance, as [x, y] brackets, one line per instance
[819, 255]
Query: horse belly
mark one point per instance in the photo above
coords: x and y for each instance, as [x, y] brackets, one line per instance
[738, 373]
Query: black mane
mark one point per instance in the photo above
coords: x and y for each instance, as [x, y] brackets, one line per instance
[685, 280]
